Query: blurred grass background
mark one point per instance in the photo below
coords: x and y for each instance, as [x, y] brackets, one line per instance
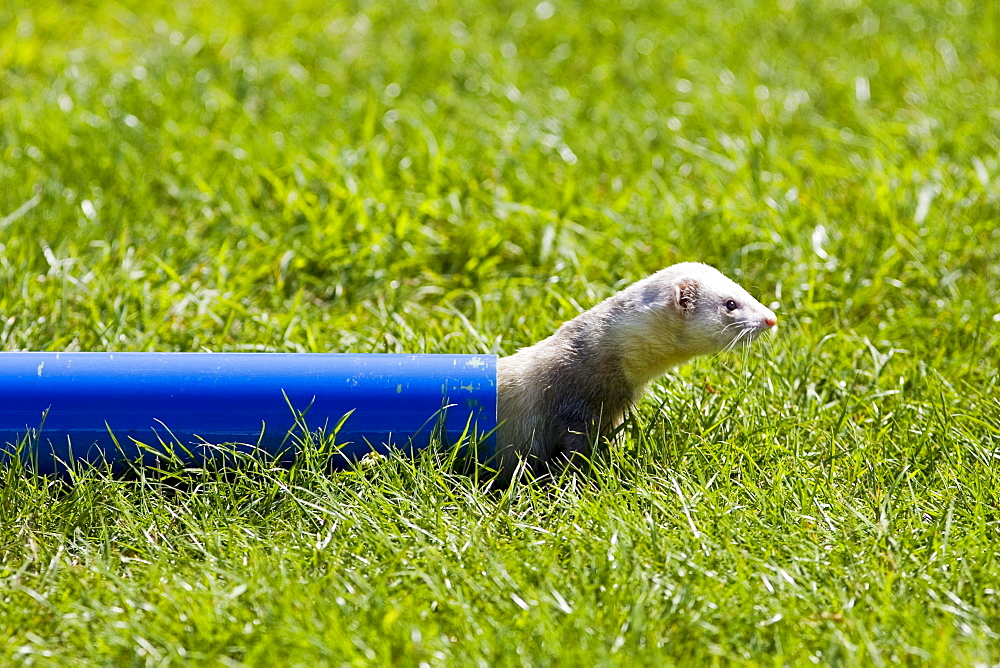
[462, 177]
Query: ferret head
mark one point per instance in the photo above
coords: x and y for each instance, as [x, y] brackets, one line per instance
[686, 310]
[716, 310]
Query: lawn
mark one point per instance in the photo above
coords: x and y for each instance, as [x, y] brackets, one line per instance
[440, 176]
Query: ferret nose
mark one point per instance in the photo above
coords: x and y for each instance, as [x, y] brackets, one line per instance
[770, 320]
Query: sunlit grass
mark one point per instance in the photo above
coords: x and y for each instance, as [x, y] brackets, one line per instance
[462, 177]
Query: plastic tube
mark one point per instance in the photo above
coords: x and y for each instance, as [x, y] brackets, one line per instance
[63, 409]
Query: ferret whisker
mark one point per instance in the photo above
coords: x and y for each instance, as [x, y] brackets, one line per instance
[736, 340]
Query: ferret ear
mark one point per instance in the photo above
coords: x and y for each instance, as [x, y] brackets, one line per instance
[686, 294]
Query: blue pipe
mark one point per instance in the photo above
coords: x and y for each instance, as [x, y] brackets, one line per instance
[63, 409]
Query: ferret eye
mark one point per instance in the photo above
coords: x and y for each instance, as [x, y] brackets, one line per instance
[732, 305]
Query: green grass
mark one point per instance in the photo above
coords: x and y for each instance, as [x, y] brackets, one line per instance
[452, 177]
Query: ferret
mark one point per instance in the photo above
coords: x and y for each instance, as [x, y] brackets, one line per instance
[569, 391]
